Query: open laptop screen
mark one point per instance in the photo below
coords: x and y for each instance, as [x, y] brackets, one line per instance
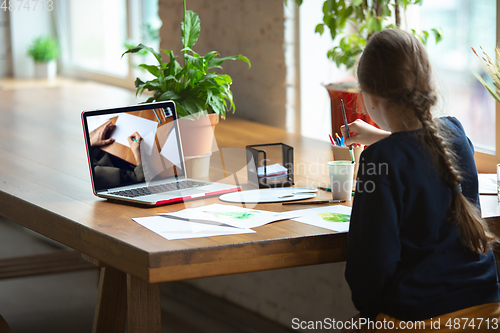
[133, 145]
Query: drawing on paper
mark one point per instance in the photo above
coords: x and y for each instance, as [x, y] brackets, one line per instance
[234, 215]
[335, 217]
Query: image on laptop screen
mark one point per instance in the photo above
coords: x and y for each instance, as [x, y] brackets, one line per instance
[132, 147]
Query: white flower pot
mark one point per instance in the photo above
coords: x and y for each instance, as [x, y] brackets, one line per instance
[46, 70]
[197, 138]
[198, 167]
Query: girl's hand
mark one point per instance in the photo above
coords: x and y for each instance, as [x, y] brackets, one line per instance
[363, 133]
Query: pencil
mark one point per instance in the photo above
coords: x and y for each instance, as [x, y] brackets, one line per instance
[337, 139]
[327, 189]
[317, 202]
[331, 140]
[156, 114]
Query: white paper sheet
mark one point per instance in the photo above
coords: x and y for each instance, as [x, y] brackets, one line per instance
[487, 183]
[127, 124]
[272, 170]
[172, 229]
[152, 165]
[235, 216]
[324, 217]
[96, 121]
[170, 149]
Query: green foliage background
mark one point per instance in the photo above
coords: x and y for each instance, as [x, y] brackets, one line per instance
[368, 17]
[44, 49]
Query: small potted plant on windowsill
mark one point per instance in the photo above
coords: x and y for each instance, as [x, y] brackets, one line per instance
[200, 94]
[44, 50]
[363, 19]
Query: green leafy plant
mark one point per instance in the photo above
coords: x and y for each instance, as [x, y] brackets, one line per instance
[148, 33]
[195, 87]
[367, 18]
[44, 49]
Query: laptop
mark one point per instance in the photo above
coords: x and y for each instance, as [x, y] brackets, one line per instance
[135, 155]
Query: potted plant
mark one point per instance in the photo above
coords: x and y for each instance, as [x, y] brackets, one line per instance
[44, 50]
[201, 95]
[364, 18]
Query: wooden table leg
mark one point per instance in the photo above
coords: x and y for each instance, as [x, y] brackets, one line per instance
[144, 306]
[111, 310]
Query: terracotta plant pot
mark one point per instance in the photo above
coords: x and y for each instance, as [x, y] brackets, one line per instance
[353, 106]
[197, 138]
[197, 135]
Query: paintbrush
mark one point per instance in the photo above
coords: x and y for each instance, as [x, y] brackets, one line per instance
[317, 202]
[346, 129]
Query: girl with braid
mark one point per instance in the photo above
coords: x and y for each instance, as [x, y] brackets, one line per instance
[418, 249]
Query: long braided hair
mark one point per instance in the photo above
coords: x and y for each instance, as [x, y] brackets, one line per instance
[395, 66]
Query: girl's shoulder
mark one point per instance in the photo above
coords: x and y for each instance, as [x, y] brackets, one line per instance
[409, 142]
[453, 132]
[452, 123]
[394, 148]
[405, 151]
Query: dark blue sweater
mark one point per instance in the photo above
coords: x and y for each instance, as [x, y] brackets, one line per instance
[404, 258]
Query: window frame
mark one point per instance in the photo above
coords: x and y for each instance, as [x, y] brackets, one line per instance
[134, 14]
[486, 162]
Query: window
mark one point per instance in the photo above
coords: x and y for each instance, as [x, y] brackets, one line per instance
[95, 33]
[465, 24]
[315, 70]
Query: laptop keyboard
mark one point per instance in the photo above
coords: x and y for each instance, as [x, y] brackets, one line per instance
[154, 189]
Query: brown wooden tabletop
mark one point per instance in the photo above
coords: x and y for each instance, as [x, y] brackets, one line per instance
[45, 186]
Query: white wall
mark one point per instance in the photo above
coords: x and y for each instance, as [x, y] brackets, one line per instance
[24, 27]
[253, 28]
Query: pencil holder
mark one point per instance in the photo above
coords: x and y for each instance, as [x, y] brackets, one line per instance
[270, 165]
[342, 154]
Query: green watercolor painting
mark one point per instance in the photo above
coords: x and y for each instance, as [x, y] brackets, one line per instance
[335, 217]
[234, 215]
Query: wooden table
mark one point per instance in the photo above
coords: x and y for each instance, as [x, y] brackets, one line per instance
[45, 186]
